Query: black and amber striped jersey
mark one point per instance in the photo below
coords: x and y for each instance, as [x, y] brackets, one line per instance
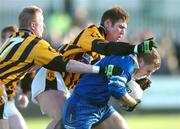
[80, 49]
[22, 51]
[88, 46]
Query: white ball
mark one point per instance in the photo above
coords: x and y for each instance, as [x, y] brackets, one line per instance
[134, 90]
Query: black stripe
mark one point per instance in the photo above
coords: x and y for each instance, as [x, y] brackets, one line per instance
[1, 111]
[71, 79]
[70, 47]
[17, 34]
[91, 26]
[9, 66]
[79, 57]
[51, 85]
[17, 71]
[6, 47]
[16, 79]
[25, 35]
[22, 57]
[28, 49]
[63, 48]
[77, 38]
[65, 78]
[11, 53]
[13, 50]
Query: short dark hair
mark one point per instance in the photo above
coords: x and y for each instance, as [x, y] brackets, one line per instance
[114, 14]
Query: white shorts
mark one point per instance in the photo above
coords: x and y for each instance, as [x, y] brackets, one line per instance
[39, 84]
[10, 109]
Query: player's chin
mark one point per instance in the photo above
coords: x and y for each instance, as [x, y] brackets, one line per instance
[119, 38]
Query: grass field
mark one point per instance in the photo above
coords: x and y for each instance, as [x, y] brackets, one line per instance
[154, 121]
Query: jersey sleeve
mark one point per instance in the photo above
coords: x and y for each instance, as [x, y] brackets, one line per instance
[117, 84]
[46, 56]
[112, 48]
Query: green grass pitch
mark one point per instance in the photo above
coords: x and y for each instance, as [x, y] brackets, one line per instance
[154, 121]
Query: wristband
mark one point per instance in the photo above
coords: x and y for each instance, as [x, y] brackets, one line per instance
[95, 69]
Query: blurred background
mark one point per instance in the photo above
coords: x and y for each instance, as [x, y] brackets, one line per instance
[147, 18]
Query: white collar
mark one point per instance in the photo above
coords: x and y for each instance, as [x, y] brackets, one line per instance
[134, 57]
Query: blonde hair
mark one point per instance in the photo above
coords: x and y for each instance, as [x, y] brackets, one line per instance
[27, 15]
[151, 58]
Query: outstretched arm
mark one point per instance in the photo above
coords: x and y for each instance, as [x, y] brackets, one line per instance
[78, 67]
[122, 48]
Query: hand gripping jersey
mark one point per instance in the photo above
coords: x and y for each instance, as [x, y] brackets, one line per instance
[87, 47]
[80, 49]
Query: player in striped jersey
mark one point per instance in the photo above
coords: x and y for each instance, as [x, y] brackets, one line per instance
[15, 118]
[26, 49]
[86, 47]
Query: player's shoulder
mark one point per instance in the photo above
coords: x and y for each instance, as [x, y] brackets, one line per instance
[92, 27]
[34, 38]
[42, 41]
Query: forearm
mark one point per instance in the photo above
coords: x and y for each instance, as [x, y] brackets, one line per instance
[117, 89]
[113, 48]
[62, 64]
[122, 48]
[128, 100]
[78, 67]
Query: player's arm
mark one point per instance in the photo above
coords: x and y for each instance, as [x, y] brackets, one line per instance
[121, 48]
[77, 67]
[117, 89]
[128, 100]
[49, 58]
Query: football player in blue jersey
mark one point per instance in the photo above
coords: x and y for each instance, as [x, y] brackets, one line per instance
[88, 105]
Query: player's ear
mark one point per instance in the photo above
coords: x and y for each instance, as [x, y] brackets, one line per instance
[140, 62]
[107, 23]
[32, 26]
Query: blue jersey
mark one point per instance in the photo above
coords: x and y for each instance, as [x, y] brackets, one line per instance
[94, 87]
[87, 106]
